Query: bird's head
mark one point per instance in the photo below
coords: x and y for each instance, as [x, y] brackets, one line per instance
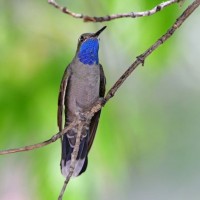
[88, 46]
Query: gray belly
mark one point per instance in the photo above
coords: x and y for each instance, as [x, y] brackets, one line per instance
[83, 90]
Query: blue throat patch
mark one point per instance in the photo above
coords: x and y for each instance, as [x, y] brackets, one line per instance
[88, 52]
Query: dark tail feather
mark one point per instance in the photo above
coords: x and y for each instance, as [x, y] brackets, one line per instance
[84, 166]
[81, 160]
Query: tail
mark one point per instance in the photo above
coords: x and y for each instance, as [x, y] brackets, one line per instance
[68, 143]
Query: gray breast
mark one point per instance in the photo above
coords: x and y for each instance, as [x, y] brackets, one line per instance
[83, 87]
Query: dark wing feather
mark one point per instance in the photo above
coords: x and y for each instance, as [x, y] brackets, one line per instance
[95, 119]
[61, 97]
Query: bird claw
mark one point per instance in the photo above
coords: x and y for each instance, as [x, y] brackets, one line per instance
[82, 117]
[101, 101]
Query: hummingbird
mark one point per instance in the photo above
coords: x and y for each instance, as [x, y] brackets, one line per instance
[83, 83]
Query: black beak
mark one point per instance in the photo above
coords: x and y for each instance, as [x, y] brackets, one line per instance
[98, 32]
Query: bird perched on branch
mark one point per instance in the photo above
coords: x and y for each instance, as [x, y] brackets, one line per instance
[83, 83]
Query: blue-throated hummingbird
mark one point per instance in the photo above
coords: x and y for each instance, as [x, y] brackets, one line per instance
[83, 83]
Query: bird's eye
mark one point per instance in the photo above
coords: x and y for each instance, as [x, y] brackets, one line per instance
[81, 39]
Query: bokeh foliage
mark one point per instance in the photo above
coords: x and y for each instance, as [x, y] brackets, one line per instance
[147, 141]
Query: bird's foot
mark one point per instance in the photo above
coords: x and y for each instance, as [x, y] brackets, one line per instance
[101, 101]
[83, 117]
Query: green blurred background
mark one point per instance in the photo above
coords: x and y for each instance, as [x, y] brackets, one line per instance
[147, 145]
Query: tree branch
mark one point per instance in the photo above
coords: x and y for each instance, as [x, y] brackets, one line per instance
[140, 60]
[41, 144]
[73, 159]
[87, 18]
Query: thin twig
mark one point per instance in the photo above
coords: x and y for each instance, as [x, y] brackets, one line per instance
[87, 18]
[41, 144]
[140, 60]
[73, 160]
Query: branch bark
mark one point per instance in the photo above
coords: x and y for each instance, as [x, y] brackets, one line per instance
[73, 159]
[141, 58]
[41, 144]
[87, 18]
